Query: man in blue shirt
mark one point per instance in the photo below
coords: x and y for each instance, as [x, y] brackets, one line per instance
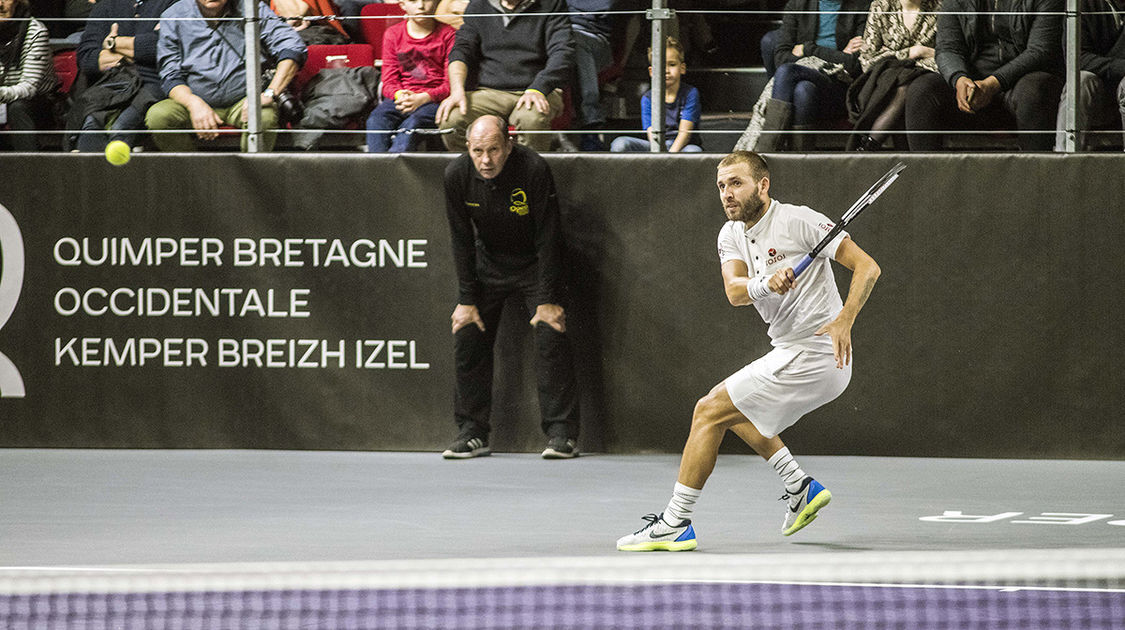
[202, 69]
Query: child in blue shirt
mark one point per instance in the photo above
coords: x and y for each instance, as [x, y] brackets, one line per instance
[681, 109]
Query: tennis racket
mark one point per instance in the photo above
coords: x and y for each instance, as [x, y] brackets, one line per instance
[860, 204]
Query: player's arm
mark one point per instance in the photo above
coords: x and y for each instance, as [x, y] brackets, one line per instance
[865, 271]
[735, 275]
[742, 290]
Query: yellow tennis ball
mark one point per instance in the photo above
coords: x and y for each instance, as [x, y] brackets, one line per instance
[117, 153]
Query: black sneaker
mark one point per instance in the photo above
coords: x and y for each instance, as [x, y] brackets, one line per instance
[560, 448]
[466, 447]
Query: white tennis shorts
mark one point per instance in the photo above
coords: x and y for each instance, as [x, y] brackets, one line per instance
[785, 384]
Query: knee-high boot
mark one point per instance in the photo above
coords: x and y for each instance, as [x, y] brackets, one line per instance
[777, 118]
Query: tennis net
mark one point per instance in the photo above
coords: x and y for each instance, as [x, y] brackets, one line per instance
[1044, 589]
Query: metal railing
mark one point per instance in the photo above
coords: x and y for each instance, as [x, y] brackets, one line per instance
[658, 15]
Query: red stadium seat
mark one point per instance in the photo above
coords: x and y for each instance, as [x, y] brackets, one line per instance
[66, 67]
[374, 27]
[333, 56]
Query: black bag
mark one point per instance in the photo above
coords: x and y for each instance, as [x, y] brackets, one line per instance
[321, 34]
[116, 89]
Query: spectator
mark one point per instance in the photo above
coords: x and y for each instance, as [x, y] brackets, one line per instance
[202, 69]
[302, 14]
[451, 12]
[994, 67]
[76, 10]
[691, 29]
[414, 80]
[1102, 63]
[593, 52]
[817, 56]
[898, 47]
[507, 243]
[522, 54]
[681, 109]
[768, 45]
[119, 61]
[27, 74]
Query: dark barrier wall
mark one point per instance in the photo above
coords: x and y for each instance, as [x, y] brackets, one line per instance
[304, 301]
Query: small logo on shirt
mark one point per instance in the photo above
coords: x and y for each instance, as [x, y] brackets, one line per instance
[827, 227]
[519, 202]
[774, 256]
[772, 252]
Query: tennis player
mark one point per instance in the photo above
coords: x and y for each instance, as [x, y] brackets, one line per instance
[810, 364]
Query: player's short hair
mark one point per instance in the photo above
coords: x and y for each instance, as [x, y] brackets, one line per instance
[757, 163]
[671, 44]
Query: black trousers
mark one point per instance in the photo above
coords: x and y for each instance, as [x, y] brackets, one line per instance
[473, 353]
[27, 115]
[1031, 104]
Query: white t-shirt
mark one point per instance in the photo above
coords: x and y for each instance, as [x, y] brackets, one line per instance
[780, 239]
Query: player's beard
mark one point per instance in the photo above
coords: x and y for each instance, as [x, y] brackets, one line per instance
[751, 209]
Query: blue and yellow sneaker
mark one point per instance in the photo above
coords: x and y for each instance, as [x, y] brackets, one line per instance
[803, 505]
[659, 535]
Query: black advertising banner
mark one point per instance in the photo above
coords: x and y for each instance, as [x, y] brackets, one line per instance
[221, 300]
[303, 301]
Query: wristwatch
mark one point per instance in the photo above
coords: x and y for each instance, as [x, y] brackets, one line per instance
[268, 93]
[110, 42]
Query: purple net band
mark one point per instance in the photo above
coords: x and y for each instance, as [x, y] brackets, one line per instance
[699, 605]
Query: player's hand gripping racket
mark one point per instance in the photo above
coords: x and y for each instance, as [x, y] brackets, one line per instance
[860, 204]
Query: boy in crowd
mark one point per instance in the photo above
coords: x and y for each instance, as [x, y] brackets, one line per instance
[681, 108]
[414, 78]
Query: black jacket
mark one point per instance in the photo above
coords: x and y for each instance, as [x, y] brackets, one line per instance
[871, 92]
[531, 51]
[1028, 42]
[144, 46]
[1103, 40]
[506, 225]
[800, 28]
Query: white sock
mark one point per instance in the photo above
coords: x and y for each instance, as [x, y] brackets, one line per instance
[787, 467]
[682, 504]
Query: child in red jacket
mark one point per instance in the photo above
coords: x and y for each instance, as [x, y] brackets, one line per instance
[415, 54]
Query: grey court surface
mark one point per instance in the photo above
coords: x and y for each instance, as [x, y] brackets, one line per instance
[99, 507]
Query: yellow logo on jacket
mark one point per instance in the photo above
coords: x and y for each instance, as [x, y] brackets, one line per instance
[519, 202]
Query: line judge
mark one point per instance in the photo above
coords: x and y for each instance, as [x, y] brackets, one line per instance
[507, 241]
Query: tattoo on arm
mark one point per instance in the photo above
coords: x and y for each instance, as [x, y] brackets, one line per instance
[861, 286]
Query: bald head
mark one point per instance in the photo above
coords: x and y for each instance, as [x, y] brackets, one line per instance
[489, 145]
[487, 126]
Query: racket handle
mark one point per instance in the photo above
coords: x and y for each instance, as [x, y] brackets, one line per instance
[801, 266]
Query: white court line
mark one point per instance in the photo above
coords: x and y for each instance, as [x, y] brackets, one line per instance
[993, 587]
[1007, 570]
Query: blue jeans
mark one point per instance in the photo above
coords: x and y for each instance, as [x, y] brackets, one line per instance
[591, 53]
[814, 95]
[131, 120]
[386, 118]
[769, 43]
[624, 144]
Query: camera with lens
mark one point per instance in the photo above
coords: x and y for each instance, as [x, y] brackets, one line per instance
[289, 107]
